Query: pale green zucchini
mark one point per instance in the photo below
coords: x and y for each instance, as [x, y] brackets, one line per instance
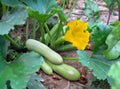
[44, 50]
[46, 68]
[66, 71]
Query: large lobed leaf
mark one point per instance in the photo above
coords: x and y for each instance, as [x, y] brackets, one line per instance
[113, 42]
[99, 34]
[3, 46]
[115, 74]
[43, 10]
[14, 17]
[43, 6]
[38, 16]
[11, 2]
[99, 68]
[19, 71]
[35, 82]
[2, 63]
[97, 63]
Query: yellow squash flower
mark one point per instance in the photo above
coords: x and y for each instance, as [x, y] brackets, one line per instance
[77, 34]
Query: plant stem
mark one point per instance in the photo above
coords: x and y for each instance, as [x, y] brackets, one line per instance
[12, 41]
[59, 30]
[72, 7]
[26, 30]
[119, 13]
[50, 36]
[42, 32]
[65, 48]
[34, 29]
[63, 4]
[3, 9]
[59, 40]
[110, 13]
[111, 7]
[70, 58]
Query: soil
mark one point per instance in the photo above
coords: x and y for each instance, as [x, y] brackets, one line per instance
[55, 81]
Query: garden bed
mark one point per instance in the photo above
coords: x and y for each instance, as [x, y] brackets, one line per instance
[55, 81]
[95, 72]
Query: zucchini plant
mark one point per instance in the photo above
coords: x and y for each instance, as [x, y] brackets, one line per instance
[14, 58]
[105, 38]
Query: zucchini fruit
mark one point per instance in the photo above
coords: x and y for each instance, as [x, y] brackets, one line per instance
[46, 68]
[44, 50]
[66, 71]
[53, 61]
[66, 47]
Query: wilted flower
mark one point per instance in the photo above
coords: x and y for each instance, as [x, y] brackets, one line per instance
[77, 34]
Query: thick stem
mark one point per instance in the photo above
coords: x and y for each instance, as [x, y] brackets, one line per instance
[49, 35]
[26, 30]
[70, 58]
[111, 8]
[3, 9]
[59, 30]
[34, 29]
[12, 41]
[42, 32]
[63, 4]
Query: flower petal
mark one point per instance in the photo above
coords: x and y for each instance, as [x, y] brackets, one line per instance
[78, 34]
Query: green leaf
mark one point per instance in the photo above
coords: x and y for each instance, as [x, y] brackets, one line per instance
[110, 80]
[11, 2]
[60, 13]
[118, 1]
[115, 74]
[99, 34]
[16, 16]
[19, 71]
[92, 11]
[2, 63]
[38, 16]
[97, 63]
[113, 42]
[52, 21]
[3, 46]
[42, 7]
[109, 2]
[34, 82]
[43, 10]
[94, 64]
